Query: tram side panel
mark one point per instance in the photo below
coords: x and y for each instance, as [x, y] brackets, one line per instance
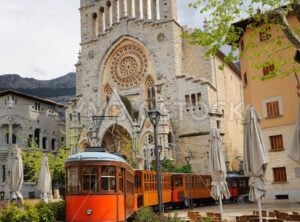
[99, 191]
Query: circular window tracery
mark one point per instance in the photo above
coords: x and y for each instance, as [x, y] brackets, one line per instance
[128, 67]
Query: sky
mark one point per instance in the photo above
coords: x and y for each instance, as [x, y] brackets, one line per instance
[40, 39]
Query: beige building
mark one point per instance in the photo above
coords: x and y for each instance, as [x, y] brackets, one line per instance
[132, 54]
[275, 100]
[27, 121]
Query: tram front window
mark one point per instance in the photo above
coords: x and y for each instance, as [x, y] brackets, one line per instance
[108, 179]
[73, 180]
[89, 178]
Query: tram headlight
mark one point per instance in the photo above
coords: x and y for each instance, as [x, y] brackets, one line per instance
[89, 212]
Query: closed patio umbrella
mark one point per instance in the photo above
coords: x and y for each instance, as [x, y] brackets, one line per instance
[217, 169]
[15, 180]
[255, 158]
[44, 182]
[294, 149]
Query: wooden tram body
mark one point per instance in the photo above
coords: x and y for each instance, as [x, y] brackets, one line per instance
[103, 187]
[100, 187]
[237, 185]
[194, 187]
[146, 188]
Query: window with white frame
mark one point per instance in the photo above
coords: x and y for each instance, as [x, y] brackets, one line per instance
[273, 107]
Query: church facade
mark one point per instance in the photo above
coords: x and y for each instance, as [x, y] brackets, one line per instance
[132, 55]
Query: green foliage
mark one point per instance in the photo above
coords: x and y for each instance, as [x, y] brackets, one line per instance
[170, 166]
[58, 209]
[57, 165]
[29, 214]
[45, 213]
[32, 163]
[207, 219]
[146, 214]
[218, 31]
[12, 213]
[40, 212]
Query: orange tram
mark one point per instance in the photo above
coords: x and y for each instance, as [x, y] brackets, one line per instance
[103, 187]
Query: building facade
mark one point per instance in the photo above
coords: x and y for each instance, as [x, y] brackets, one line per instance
[29, 122]
[132, 56]
[275, 100]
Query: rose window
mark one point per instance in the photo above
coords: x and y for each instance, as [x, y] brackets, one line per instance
[128, 67]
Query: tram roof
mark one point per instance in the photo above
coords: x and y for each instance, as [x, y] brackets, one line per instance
[92, 156]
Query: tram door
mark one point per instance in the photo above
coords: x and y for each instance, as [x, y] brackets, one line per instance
[121, 203]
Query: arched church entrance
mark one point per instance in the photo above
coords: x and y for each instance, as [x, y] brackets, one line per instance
[117, 139]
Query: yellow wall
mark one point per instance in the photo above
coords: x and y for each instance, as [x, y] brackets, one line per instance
[257, 90]
[285, 87]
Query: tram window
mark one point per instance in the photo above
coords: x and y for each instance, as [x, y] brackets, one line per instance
[121, 180]
[242, 183]
[108, 179]
[138, 182]
[89, 178]
[234, 183]
[178, 182]
[73, 182]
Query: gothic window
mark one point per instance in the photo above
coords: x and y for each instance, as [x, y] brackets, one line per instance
[37, 106]
[151, 102]
[198, 99]
[53, 144]
[187, 101]
[95, 24]
[44, 143]
[107, 91]
[193, 98]
[14, 139]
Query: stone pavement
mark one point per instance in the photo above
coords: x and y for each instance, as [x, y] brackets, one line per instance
[233, 210]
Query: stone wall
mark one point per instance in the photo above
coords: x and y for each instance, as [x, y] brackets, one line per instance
[280, 159]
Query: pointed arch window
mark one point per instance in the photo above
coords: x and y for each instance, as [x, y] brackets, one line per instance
[150, 91]
[95, 24]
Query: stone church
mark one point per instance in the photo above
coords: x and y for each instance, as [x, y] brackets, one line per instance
[131, 54]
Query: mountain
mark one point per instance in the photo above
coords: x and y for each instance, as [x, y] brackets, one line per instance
[60, 89]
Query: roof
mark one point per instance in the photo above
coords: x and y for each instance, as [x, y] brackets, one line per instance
[24, 95]
[245, 22]
[92, 156]
[234, 68]
[234, 175]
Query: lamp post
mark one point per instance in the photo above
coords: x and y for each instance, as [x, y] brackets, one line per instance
[227, 166]
[190, 199]
[154, 117]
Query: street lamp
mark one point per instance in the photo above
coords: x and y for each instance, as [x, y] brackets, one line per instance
[190, 199]
[154, 117]
[227, 166]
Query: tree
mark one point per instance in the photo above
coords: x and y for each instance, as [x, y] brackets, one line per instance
[170, 166]
[219, 30]
[32, 164]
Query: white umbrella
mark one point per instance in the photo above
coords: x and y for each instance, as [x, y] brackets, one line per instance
[255, 158]
[217, 169]
[44, 182]
[294, 149]
[15, 179]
